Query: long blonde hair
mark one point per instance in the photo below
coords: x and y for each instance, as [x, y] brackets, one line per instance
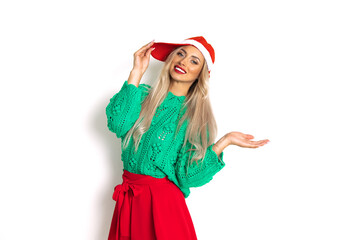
[202, 128]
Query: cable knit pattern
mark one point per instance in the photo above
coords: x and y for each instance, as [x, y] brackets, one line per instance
[160, 151]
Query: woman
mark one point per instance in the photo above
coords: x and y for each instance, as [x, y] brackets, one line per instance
[168, 134]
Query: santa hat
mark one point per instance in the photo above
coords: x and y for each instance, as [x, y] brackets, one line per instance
[162, 49]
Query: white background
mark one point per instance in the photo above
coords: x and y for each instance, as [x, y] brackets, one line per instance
[284, 70]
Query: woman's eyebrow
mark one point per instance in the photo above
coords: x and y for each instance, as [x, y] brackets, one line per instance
[181, 49]
[191, 55]
[196, 58]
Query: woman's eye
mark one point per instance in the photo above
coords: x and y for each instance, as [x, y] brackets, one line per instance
[180, 54]
[194, 62]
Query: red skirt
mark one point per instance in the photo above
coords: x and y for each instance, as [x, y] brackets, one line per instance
[149, 208]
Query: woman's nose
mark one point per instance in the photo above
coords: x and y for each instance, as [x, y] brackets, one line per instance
[182, 61]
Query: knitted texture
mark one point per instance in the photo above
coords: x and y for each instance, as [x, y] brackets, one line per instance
[160, 151]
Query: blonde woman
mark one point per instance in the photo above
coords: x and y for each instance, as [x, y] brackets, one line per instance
[168, 133]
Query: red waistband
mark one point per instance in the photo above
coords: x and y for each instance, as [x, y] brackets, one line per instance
[134, 178]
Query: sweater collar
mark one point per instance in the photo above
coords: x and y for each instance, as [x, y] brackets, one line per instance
[173, 97]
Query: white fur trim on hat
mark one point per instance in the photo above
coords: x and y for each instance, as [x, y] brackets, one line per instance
[202, 49]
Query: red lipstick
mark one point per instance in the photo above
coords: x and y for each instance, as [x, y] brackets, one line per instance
[179, 70]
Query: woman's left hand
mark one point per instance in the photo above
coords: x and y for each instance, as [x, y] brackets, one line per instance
[244, 140]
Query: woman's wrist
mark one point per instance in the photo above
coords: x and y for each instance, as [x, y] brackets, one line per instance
[221, 144]
[135, 77]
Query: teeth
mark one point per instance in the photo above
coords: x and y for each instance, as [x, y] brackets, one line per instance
[180, 70]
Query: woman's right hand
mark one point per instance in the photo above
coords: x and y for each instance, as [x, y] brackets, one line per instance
[142, 59]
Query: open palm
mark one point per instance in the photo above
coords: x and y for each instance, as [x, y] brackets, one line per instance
[244, 140]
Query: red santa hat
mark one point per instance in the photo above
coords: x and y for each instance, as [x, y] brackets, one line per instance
[162, 49]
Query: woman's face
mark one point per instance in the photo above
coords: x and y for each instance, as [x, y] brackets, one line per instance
[187, 64]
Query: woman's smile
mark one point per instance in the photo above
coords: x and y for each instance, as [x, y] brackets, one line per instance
[179, 70]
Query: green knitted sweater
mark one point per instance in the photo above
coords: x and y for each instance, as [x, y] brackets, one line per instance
[160, 151]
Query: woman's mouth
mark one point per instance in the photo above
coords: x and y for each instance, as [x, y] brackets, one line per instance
[179, 70]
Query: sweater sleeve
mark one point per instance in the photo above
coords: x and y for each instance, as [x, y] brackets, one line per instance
[124, 108]
[197, 174]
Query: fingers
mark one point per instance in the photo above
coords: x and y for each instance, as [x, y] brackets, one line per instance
[149, 52]
[244, 140]
[144, 49]
[256, 144]
[146, 46]
[248, 136]
[259, 143]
